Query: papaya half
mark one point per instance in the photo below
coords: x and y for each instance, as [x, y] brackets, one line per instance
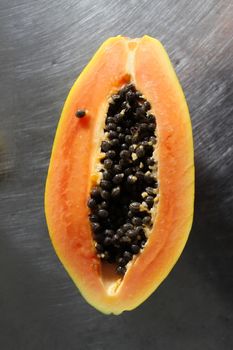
[120, 186]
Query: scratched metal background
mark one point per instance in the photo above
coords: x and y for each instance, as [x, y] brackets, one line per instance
[44, 45]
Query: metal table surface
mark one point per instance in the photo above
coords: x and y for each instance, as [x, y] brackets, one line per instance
[44, 45]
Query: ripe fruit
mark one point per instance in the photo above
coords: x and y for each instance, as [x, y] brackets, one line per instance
[120, 187]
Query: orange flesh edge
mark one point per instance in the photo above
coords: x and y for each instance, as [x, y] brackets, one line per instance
[69, 177]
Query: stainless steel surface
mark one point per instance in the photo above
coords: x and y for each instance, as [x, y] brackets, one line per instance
[43, 47]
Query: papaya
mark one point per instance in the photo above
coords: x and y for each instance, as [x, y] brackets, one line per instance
[120, 186]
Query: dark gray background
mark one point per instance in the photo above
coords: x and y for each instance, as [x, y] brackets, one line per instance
[44, 45]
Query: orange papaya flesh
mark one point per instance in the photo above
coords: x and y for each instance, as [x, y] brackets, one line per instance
[120, 61]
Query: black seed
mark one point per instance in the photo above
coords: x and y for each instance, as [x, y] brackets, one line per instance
[149, 201]
[118, 178]
[125, 239]
[132, 148]
[123, 91]
[122, 262]
[127, 255]
[111, 109]
[124, 163]
[151, 127]
[138, 94]
[95, 226]
[121, 137]
[151, 118]
[115, 143]
[147, 105]
[144, 144]
[110, 120]
[94, 218]
[117, 168]
[128, 139]
[106, 255]
[140, 152]
[128, 171]
[130, 86]
[108, 241]
[91, 203]
[134, 129]
[139, 175]
[121, 270]
[134, 206]
[150, 161]
[148, 177]
[112, 135]
[105, 194]
[80, 113]
[143, 243]
[143, 127]
[146, 220]
[115, 98]
[118, 117]
[116, 192]
[107, 175]
[119, 129]
[136, 221]
[116, 238]
[135, 249]
[104, 205]
[131, 179]
[131, 98]
[130, 214]
[99, 248]
[105, 185]
[153, 139]
[139, 165]
[111, 126]
[111, 154]
[108, 163]
[139, 230]
[95, 193]
[124, 146]
[105, 146]
[124, 154]
[131, 234]
[136, 163]
[149, 150]
[150, 191]
[103, 213]
[98, 237]
[140, 113]
[135, 138]
[120, 232]
[126, 106]
[109, 233]
[127, 226]
[130, 95]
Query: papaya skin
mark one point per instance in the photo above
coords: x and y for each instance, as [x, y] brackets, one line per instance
[145, 63]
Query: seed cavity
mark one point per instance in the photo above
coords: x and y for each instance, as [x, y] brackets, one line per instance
[123, 202]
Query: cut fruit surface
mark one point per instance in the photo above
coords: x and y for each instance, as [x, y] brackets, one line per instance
[120, 186]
